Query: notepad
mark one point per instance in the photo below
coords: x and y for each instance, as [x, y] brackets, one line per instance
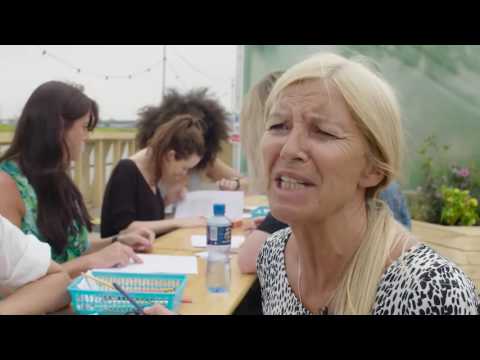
[200, 203]
[159, 264]
[200, 241]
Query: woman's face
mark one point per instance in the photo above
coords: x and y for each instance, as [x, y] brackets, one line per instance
[315, 156]
[174, 171]
[76, 136]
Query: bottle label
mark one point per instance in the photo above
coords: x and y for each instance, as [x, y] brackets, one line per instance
[219, 235]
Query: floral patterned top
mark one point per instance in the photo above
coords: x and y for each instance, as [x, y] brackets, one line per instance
[77, 242]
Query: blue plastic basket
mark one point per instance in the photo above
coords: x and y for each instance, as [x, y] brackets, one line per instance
[145, 289]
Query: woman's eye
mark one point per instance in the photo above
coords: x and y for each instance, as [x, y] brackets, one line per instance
[277, 127]
[324, 133]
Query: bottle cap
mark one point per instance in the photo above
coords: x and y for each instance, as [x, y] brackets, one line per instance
[219, 209]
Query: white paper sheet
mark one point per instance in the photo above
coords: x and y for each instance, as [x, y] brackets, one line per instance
[86, 284]
[200, 241]
[156, 264]
[200, 203]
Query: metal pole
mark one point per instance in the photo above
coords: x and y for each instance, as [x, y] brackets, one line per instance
[164, 69]
[237, 148]
[233, 107]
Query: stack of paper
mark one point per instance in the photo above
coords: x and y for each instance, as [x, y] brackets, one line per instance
[159, 264]
[200, 203]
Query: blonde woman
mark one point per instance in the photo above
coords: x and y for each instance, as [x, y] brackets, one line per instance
[252, 129]
[333, 140]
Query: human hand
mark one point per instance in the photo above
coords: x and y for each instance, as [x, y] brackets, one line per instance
[228, 185]
[113, 255]
[137, 237]
[250, 225]
[158, 310]
[197, 221]
[176, 193]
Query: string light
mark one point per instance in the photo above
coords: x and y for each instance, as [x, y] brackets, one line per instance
[194, 68]
[137, 74]
[79, 70]
[177, 77]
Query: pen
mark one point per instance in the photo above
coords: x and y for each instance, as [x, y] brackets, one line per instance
[100, 281]
[138, 307]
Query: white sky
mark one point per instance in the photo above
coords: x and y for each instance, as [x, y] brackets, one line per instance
[23, 68]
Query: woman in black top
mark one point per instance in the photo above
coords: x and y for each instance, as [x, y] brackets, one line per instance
[213, 118]
[133, 198]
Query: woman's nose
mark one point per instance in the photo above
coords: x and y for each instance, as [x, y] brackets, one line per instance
[293, 147]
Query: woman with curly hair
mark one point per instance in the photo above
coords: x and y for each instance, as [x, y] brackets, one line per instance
[212, 116]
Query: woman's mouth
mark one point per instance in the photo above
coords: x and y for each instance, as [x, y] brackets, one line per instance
[288, 183]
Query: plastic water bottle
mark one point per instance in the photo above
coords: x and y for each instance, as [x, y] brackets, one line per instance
[219, 236]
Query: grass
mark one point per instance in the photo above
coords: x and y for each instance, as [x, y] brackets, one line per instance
[6, 128]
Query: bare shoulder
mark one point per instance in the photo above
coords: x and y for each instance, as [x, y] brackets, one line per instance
[7, 184]
[11, 204]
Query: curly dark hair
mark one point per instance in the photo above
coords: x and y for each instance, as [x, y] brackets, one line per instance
[196, 103]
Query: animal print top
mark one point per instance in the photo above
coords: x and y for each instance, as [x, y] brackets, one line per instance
[423, 283]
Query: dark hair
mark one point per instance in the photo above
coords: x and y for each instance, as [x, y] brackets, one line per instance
[183, 134]
[196, 103]
[39, 148]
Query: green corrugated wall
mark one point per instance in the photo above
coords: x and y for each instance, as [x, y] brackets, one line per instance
[438, 88]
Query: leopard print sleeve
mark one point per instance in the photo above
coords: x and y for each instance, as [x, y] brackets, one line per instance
[425, 283]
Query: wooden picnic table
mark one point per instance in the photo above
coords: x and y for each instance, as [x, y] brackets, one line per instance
[178, 242]
[203, 302]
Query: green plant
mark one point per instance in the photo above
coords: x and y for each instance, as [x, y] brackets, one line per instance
[459, 208]
[449, 193]
[430, 199]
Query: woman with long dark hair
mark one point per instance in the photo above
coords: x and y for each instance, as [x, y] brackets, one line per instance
[36, 192]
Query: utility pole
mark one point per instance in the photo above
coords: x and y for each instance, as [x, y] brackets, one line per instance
[237, 103]
[233, 107]
[164, 69]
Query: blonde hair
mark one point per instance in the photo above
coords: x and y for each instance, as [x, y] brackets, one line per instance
[375, 109]
[252, 127]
